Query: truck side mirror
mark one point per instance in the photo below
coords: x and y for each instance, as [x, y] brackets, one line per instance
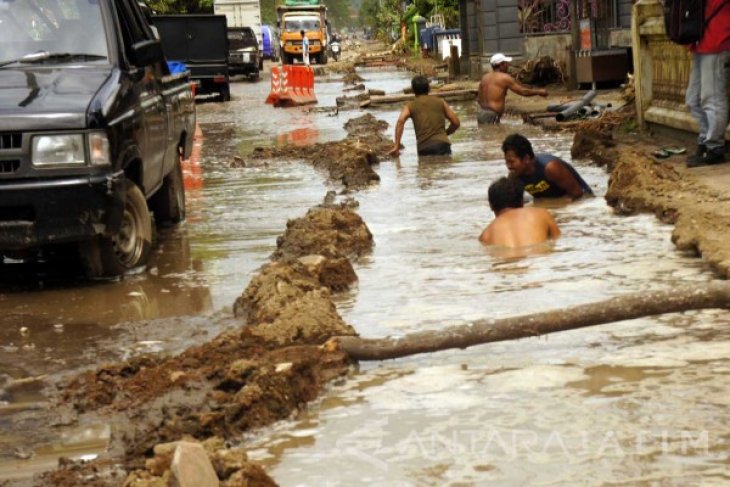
[147, 52]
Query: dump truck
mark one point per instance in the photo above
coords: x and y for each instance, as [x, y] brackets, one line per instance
[310, 17]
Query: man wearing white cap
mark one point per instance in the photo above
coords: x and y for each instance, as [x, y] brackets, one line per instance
[493, 90]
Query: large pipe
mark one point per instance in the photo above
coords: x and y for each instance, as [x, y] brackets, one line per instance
[574, 107]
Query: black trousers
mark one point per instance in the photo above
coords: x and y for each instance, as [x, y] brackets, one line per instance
[435, 149]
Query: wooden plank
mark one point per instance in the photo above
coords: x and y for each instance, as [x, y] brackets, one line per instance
[447, 95]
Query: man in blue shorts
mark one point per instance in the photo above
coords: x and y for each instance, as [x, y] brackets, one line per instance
[543, 175]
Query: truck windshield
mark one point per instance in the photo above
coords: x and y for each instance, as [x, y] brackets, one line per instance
[307, 25]
[68, 27]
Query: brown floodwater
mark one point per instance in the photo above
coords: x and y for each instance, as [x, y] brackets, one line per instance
[641, 402]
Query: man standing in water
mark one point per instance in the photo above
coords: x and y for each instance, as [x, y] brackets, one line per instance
[543, 175]
[305, 48]
[514, 225]
[429, 114]
[493, 90]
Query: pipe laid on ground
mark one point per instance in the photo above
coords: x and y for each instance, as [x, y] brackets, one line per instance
[565, 114]
[620, 308]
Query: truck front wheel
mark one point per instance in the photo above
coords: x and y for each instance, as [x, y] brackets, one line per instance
[109, 256]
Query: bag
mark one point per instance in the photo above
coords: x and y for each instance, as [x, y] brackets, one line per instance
[684, 20]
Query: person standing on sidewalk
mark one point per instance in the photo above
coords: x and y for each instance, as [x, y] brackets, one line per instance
[707, 89]
[305, 48]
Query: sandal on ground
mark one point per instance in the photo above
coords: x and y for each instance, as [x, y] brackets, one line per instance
[661, 153]
[674, 149]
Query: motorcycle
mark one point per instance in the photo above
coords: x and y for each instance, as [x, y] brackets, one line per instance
[335, 47]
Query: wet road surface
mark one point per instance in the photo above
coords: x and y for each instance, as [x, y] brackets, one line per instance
[642, 401]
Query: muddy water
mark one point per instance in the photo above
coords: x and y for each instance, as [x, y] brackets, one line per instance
[641, 402]
[54, 322]
[556, 410]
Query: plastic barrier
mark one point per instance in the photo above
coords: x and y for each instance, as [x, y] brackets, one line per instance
[291, 86]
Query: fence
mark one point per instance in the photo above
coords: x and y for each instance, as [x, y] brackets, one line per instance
[552, 16]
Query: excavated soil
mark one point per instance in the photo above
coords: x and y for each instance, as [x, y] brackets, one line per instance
[275, 364]
[263, 372]
[639, 183]
[348, 161]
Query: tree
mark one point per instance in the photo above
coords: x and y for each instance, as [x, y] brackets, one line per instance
[181, 6]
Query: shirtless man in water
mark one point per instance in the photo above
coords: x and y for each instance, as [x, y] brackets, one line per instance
[514, 225]
[493, 90]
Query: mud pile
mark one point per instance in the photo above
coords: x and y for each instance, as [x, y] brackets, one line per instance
[701, 216]
[639, 183]
[242, 379]
[348, 161]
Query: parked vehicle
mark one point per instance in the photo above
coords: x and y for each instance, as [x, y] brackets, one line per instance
[242, 13]
[92, 130]
[270, 44]
[244, 56]
[201, 42]
[310, 18]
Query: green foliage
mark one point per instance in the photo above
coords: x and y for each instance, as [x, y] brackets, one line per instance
[181, 6]
[381, 15]
[268, 12]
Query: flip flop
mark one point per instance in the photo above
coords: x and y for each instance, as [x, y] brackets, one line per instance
[661, 153]
[674, 150]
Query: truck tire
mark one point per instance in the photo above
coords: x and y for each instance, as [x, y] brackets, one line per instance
[225, 92]
[168, 204]
[286, 58]
[261, 63]
[322, 57]
[129, 248]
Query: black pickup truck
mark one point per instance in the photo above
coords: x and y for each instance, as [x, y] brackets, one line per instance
[244, 56]
[199, 41]
[92, 131]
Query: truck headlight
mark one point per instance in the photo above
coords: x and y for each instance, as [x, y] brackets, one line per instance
[49, 150]
[99, 149]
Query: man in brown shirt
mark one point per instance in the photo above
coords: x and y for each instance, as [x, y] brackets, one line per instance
[429, 114]
[493, 90]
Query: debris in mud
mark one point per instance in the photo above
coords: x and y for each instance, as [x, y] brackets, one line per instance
[352, 78]
[541, 72]
[190, 463]
[357, 87]
[594, 138]
[349, 160]
[366, 123]
[242, 379]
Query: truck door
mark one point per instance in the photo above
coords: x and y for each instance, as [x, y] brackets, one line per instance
[151, 117]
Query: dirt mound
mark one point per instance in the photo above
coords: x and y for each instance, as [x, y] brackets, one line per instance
[349, 160]
[242, 379]
[701, 217]
[366, 123]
